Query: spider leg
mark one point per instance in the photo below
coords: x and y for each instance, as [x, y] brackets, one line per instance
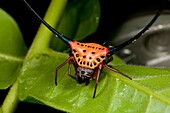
[69, 71]
[97, 78]
[115, 70]
[59, 67]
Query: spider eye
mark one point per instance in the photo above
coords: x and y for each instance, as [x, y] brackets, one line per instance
[82, 72]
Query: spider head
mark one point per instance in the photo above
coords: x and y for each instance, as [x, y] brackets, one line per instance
[83, 75]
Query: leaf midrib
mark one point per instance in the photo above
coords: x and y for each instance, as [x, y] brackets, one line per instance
[11, 58]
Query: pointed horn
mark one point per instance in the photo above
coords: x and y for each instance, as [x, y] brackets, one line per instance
[124, 44]
[63, 38]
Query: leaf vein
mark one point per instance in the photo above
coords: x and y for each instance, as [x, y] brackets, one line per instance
[11, 58]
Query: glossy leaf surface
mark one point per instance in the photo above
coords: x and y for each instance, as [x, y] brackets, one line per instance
[12, 50]
[148, 91]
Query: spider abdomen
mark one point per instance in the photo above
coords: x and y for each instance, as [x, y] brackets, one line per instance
[88, 55]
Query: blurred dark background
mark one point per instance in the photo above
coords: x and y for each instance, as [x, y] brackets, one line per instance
[113, 14]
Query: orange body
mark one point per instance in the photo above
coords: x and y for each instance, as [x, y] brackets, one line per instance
[88, 55]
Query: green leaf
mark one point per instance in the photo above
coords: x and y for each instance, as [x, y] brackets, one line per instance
[80, 19]
[148, 91]
[90, 16]
[12, 50]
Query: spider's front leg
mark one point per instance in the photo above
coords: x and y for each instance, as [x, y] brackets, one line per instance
[69, 60]
[72, 61]
[69, 71]
[97, 75]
